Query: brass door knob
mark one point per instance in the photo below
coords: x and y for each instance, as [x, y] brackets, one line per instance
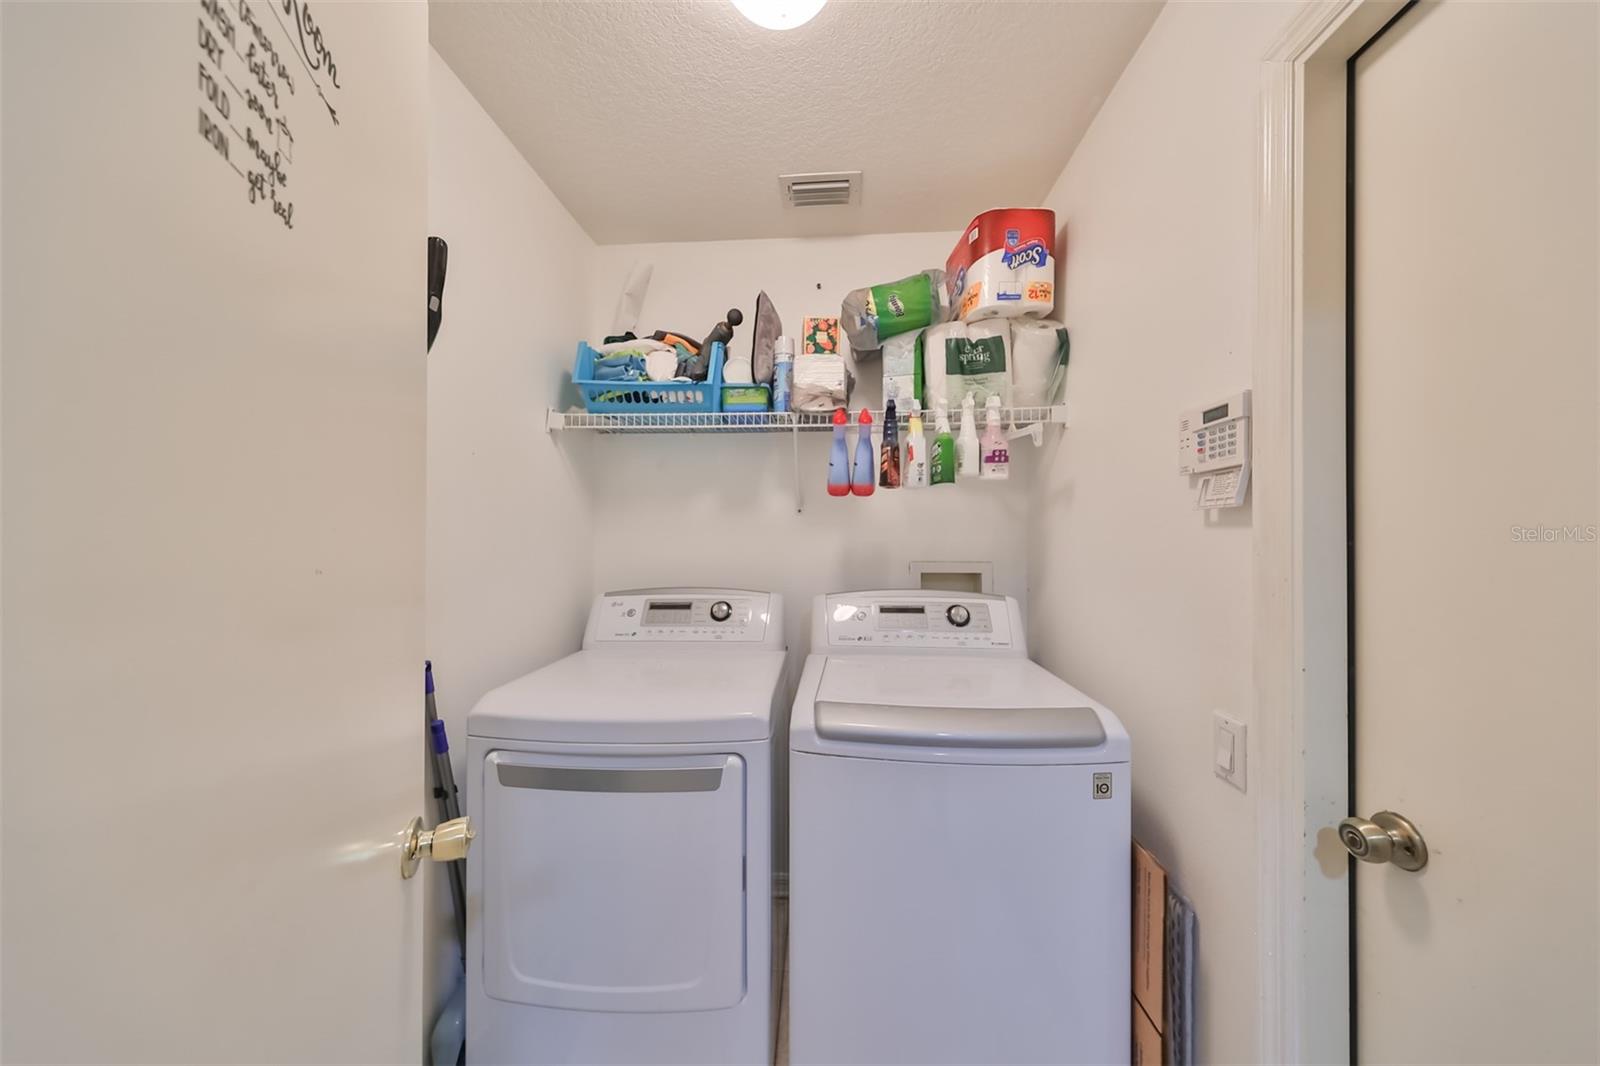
[1385, 837]
[446, 842]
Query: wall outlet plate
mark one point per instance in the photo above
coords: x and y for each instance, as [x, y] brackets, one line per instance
[1228, 747]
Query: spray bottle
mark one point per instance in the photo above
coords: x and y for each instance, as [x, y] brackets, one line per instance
[862, 483]
[889, 464]
[914, 474]
[943, 469]
[968, 459]
[839, 457]
[996, 453]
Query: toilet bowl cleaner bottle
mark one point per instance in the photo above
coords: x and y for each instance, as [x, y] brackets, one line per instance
[839, 457]
[914, 471]
[996, 450]
[968, 460]
[942, 471]
[862, 479]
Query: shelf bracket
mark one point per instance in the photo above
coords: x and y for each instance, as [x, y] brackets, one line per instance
[1034, 433]
[799, 498]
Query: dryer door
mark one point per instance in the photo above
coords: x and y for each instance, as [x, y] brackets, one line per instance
[614, 884]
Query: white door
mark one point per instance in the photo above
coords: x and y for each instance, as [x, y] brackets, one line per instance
[1475, 480]
[213, 524]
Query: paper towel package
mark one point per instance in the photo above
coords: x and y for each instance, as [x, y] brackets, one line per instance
[961, 359]
[902, 367]
[1003, 265]
[1039, 351]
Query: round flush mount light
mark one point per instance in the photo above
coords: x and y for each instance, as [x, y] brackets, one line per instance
[779, 14]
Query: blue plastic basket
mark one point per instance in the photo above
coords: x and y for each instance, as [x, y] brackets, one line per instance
[648, 397]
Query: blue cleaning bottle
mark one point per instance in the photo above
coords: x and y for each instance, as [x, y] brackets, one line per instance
[864, 476]
[839, 457]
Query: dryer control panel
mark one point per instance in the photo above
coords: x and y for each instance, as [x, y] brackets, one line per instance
[682, 616]
[919, 620]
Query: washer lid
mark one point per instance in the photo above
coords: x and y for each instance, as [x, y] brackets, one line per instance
[611, 697]
[960, 709]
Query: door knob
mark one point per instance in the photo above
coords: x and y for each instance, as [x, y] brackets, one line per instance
[1386, 837]
[446, 842]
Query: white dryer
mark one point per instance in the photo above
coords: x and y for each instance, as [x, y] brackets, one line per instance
[620, 887]
[959, 849]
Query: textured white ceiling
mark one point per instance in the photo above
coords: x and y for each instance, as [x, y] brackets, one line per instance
[670, 120]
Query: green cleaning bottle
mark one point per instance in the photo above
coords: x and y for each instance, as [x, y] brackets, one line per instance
[942, 471]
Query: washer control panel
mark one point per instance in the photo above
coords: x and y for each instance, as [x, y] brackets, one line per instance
[918, 620]
[681, 617]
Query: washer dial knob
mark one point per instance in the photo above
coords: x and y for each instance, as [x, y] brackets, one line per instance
[958, 615]
[721, 611]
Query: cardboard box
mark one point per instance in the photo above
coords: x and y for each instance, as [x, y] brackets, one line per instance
[1146, 1040]
[1150, 937]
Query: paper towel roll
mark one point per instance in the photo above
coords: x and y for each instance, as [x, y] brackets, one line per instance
[1038, 356]
[987, 379]
[935, 354]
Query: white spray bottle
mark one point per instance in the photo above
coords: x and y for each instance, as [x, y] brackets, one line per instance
[996, 450]
[914, 471]
[968, 460]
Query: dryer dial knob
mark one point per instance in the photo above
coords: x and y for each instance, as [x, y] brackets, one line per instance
[721, 611]
[958, 615]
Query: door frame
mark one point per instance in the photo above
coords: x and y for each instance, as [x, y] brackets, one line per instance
[1300, 572]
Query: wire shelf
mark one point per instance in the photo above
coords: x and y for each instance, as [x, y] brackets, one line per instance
[766, 422]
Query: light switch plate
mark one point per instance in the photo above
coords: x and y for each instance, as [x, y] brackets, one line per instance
[1228, 744]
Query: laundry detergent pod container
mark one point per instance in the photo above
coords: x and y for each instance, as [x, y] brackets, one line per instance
[1004, 265]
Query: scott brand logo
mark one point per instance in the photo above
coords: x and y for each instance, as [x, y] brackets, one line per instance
[1031, 254]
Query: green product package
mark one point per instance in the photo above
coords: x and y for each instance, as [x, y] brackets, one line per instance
[976, 367]
[902, 306]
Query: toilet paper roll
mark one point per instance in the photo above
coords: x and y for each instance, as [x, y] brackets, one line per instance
[940, 344]
[1039, 359]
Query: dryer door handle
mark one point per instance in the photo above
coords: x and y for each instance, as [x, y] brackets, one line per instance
[604, 779]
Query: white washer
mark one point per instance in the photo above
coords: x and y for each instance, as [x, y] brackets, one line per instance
[619, 891]
[959, 848]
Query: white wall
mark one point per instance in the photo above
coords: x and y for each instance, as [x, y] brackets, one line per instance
[509, 571]
[703, 509]
[662, 503]
[1138, 598]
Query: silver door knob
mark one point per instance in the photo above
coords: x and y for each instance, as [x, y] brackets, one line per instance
[1385, 837]
[446, 842]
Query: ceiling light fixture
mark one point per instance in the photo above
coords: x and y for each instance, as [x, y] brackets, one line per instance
[779, 14]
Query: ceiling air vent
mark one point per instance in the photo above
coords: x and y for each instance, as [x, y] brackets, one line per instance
[821, 190]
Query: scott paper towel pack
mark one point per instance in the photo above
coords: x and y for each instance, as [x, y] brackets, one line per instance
[1003, 265]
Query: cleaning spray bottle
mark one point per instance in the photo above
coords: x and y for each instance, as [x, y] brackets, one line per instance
[943, 470]
[996, 453]
[968, 460]
[839, 457]
[914, 474]
[889, 464]
[862, 483]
